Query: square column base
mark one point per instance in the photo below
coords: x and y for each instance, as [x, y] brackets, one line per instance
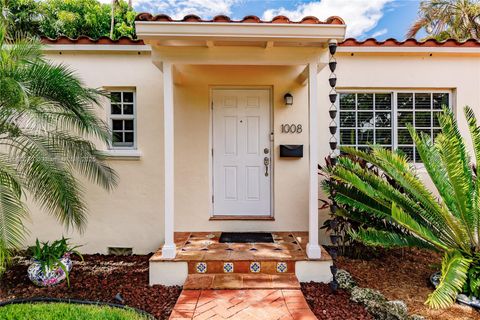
[169, 251]
[313, 251]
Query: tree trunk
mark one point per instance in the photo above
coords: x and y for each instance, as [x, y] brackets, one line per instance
[112, 19]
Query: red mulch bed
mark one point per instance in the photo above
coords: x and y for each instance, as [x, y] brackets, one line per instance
[327, 305]
[98, 278]
[404, 275]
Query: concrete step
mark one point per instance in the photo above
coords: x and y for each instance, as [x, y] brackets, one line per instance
[171, 273]
[220, 281]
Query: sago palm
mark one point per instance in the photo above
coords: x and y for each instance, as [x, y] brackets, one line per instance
[412, 215]
[443, 19]
[47, 122]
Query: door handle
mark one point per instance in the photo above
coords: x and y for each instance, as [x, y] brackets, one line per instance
[266, 162]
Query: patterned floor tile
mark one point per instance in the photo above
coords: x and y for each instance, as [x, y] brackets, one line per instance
[198, 246]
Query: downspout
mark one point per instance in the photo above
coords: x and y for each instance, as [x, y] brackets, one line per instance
[332, 81]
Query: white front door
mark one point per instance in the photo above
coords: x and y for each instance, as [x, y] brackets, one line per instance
[241, 152]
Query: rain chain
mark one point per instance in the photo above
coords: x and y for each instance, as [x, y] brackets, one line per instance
[334, 237]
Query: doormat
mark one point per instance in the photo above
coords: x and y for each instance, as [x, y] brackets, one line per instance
[246, 237]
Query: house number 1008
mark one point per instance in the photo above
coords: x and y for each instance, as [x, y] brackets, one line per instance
[292, 128]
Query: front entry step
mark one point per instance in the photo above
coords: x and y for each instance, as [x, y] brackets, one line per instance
[241, 281]
[255, 267]
[200, 253]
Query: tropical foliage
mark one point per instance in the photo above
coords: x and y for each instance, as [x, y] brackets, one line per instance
[445, 19]
[409, 214]
[71, 18]
[47, 123]
[344, 218]
[49, 255]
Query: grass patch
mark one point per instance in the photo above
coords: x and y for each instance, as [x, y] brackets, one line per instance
[65, 311]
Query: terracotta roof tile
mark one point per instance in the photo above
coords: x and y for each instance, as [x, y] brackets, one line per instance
[248, 19]
[351, 42]
[88, 40]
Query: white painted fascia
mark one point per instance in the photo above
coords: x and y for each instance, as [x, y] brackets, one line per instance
[400, 49]
[96, 48]
[155, 30]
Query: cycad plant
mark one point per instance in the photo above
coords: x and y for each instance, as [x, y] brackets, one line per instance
[412, 215]
[47, 122]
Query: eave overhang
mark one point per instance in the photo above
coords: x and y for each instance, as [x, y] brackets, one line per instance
[158, 33]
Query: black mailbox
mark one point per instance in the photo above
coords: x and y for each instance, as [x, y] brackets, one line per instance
[291, 150]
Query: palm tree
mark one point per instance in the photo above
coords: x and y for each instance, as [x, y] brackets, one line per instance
[409, 214]
[444, 19]
[112, 17]
[47, 118]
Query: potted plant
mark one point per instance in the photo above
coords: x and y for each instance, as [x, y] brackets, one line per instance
[52, 263]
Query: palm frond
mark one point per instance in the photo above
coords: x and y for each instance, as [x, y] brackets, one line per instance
[387, 239]
[433, 163]
[406, 221]
[415, 28]
[454, 274]
[474, 132]
[457, 166]
[48, 179]
[396, 166]
[12, 213]
[377, 188]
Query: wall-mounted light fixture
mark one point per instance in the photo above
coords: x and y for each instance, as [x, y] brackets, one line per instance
[288, 99]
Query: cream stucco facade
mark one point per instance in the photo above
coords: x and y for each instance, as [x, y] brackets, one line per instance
[133, 214]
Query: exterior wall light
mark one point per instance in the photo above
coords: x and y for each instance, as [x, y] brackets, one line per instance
[288, 99]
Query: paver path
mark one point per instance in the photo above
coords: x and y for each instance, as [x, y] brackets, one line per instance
[251, 304]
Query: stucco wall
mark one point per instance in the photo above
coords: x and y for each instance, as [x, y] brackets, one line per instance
[132, 215]
[458, 73]
[192, 143]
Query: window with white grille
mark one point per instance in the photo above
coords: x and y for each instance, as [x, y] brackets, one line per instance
[122, 119]
[381, 118]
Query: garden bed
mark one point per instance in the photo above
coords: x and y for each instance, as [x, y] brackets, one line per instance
[98, 278]
[329, 306]
[404, 275]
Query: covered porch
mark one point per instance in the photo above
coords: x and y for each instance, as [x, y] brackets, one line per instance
[197, 57]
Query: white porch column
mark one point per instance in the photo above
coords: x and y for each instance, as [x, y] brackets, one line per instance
[168, 249]
[313, 248]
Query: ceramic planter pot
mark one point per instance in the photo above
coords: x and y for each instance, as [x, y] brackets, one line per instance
[49, 277]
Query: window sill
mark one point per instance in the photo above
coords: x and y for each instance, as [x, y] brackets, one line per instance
[123, 154]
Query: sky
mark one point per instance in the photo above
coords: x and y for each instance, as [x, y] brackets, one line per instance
[379, 19]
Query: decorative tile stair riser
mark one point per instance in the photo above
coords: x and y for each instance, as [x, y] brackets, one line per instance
[257, 267]
[218, 281]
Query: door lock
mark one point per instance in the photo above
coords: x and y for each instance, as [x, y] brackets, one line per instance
[266, 162]
[266, 150]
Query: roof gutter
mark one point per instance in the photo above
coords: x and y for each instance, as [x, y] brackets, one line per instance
[282, 32]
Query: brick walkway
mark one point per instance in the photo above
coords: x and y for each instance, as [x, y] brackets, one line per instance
[251, 304]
